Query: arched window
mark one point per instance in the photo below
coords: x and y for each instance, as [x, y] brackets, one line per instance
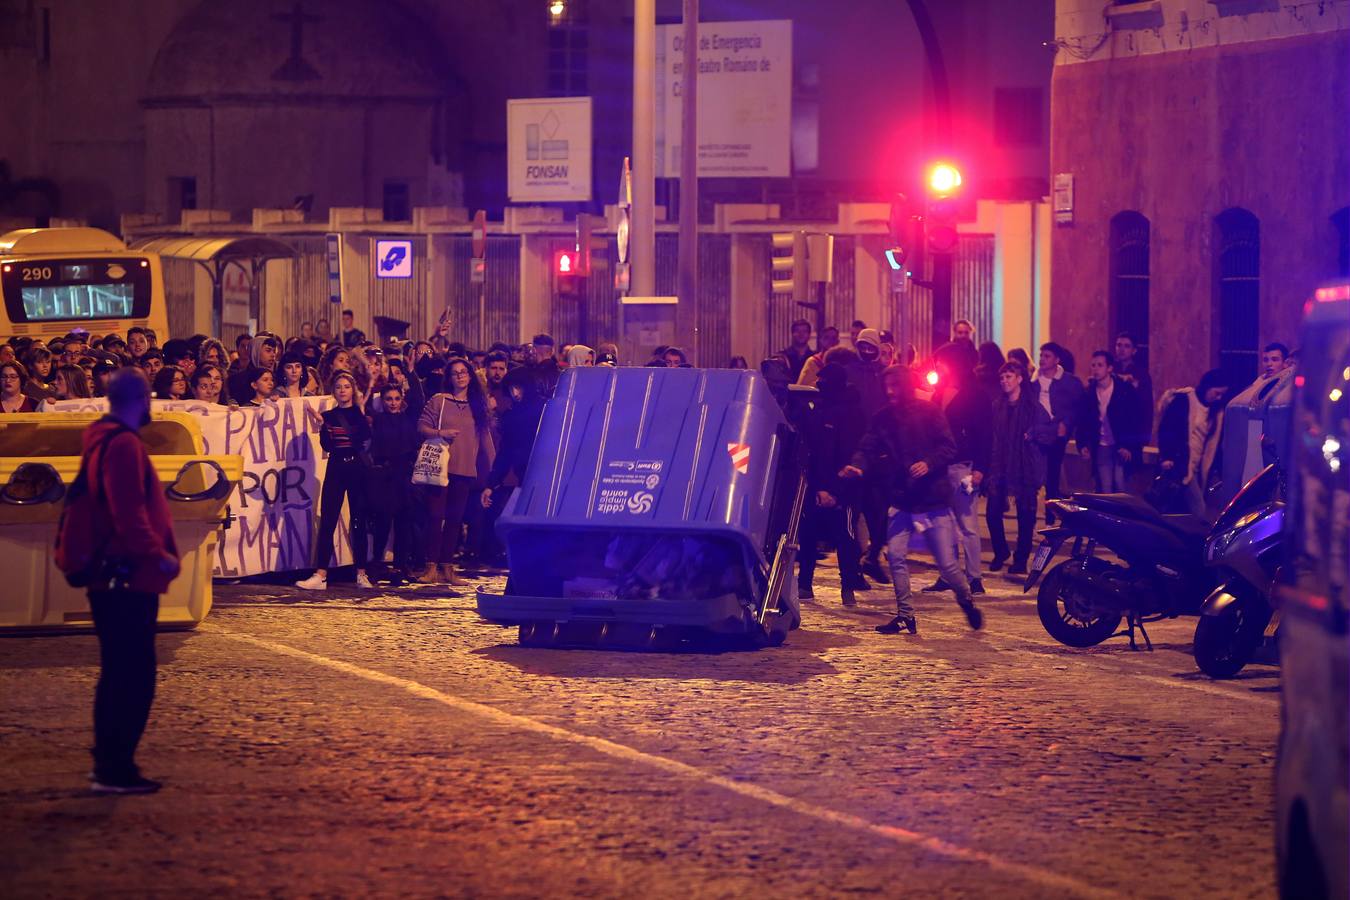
[1129, 277]
[1237, 292]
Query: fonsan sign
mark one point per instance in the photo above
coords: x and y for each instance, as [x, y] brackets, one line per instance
[744, 99]
[549, 149]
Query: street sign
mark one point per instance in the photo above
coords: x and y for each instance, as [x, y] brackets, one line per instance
[334, 245]
[548, 149]
[1063, 198]
[479, 234]
[744, 99]
[393, 259]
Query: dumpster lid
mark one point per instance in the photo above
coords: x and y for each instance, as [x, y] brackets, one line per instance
[39, 435]
[647, 449]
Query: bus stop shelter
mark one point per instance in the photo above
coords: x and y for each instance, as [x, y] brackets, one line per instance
[215, 256]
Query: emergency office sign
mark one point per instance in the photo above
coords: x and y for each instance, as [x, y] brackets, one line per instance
[548, 149]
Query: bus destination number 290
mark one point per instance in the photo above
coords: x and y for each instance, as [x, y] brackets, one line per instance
[36, 273]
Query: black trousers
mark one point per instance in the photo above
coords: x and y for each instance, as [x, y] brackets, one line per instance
[445, 514]
[995, 507]
[125, 624]
[391, 509]
[875, 510]
[834, 524]
[343, 478]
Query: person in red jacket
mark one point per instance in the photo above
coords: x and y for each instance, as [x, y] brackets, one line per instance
[137, 564]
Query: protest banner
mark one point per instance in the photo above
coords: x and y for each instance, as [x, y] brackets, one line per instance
[276, 503]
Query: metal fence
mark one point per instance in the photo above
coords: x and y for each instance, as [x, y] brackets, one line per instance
[911, 312]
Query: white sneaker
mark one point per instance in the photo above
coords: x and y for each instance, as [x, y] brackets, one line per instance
[315, 582]
[362, 581]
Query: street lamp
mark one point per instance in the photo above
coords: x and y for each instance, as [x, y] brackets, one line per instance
[557, 8]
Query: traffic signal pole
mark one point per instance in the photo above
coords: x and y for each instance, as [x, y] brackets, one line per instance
[643, 240]
[942, 125]
[686, 313]
[941, 286]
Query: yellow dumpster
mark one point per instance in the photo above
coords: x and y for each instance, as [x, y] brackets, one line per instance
[39, 458]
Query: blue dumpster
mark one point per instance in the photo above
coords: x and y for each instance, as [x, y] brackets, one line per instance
[657, 504]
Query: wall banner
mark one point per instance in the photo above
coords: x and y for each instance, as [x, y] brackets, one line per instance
[276, 504]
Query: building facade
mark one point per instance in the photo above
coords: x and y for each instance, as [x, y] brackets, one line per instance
[1200, 151]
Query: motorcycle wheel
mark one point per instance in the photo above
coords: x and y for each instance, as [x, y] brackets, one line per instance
[1066, 617]
[1225, 643]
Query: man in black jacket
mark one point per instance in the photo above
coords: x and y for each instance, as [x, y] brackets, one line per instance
[968, 410]
[1109, 430]
[909, 446]
[832, 429]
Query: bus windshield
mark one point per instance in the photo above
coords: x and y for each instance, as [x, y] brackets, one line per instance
[74, 290]
[78, 301]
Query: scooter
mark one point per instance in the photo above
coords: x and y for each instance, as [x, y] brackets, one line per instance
[1159, 571]
[1245, 548]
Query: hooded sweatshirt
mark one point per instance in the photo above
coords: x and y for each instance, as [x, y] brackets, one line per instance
[132, 507]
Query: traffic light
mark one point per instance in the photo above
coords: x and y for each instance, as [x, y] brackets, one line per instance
[944, 184]
[789, 274]
[587, 242]
[565, 271]
[905, 226]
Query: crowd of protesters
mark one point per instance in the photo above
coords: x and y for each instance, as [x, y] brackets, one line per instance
[907, 450]
[896, 448]
[485, 404]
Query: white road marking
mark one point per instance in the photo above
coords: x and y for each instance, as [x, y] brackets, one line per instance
[1033, 874]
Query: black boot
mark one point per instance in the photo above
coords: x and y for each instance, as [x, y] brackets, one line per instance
[997, 563]
[1019, 567]
[936, 587]
[976, 587]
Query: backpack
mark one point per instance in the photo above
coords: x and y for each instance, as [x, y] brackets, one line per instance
[79, 543]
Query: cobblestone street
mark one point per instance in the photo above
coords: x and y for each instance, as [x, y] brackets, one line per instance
[390, 742]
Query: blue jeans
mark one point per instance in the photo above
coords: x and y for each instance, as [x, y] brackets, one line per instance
[1110, 470]
[967, 533]
[939, 529]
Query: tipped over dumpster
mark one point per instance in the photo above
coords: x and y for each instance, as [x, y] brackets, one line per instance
[659, 506]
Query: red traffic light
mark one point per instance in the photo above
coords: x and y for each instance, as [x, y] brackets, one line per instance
[943, 178]
[565, 262]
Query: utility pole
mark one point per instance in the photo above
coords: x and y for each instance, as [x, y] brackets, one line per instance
[686, 313]
[644, 149]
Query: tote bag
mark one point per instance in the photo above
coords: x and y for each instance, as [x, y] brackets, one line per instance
[432, 466]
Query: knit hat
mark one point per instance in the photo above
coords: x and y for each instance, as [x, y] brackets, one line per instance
[870, 336]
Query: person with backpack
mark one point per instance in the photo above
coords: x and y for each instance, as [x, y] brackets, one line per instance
[116, 539]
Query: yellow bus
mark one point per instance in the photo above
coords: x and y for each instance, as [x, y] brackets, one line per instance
[53, 280]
